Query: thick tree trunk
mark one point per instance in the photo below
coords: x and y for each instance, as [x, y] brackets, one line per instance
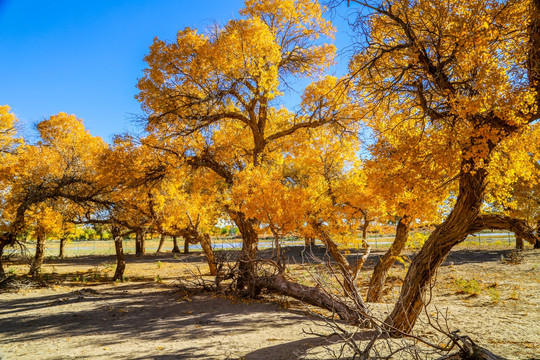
[139, 243]
[186, 245]
[120, 258]
[61, 253]
[424, 266]
[206, 245]
[378, 278]
[313, 296]
[161, 242]
[35, 267]
[246, 263]
[176, 249]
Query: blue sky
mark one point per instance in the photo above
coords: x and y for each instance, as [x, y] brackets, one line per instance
[84, 57]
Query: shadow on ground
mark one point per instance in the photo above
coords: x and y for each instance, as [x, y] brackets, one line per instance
[113, 315]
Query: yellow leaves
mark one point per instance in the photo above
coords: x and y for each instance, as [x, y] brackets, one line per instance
[514, 174]
[296, 17]
[8, 131]
[8, 142]
[450, 63]
[44, 220]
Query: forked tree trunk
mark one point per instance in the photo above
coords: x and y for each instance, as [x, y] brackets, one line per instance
[139, 243]
[61, 253]
[424, 266]
[206, 245]
[176, 249]
[186, 245]
[246, 263]
[161, 242]
[120, 258]
[35, 267]
[378, 278]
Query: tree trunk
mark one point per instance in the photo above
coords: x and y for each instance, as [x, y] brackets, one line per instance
[186, 245]
[35, 267]
[348, 271]
[309, 241]
[139, 243]
[2, 271]
[367, 248]
[61, 253]
[161, 242]
[519, 242]
[378, 278]
[176, 249]
[470, 351]
[424, 266]
[519, 227]
[533, 63]
[206, 245]
[246, 263]
[120, 258]
[314, 296]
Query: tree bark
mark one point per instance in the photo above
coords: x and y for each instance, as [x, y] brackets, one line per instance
[378, 278]
[246, 263]
[533, 63]
[61, 253]
[349, 271]
[2, 271]
[120, 258]
[424, 266]
[6, 239]
[186, 245]
[176, 249]
[470, 351]
[519, 227]
[206, 245]
[365, 245]
[519, 242]
[314, 296]
[161, 242]
[35, 267]
[139, 243]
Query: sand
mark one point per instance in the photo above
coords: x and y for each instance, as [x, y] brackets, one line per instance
[154, 320]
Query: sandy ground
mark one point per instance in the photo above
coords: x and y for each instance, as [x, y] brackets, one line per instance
[154, 320]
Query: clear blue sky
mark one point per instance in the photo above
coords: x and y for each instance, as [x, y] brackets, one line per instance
[84, 57]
